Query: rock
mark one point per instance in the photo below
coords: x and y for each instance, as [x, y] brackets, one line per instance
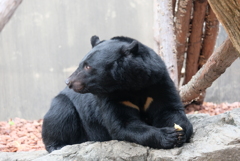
[21, 156]
[107, 151]
[215, 138]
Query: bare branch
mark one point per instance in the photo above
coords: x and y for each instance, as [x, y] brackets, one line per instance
[7, 8]
[214, 67]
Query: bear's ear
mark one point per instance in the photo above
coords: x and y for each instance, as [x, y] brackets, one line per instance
[94, 40]
[130, 49]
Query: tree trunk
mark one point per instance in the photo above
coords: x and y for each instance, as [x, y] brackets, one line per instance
[164, 36]
[210, 36]
[209, 41]
[195, 40]
[7, 8]
[214, 67]
[228, 13]
[183, 16]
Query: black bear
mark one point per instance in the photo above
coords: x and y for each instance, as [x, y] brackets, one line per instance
[120, 91]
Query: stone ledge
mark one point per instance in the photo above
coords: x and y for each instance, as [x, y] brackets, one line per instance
[214, 138]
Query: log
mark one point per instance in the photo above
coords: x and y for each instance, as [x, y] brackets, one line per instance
[164, 36]
[216, 65]
[7, 8]
[228, 13]
[210, 36]
[195, 39]
[209, 41]
[183, 16]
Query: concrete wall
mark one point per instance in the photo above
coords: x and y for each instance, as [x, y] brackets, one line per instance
[45, 40]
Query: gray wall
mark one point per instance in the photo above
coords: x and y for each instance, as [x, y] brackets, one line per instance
[45, 40]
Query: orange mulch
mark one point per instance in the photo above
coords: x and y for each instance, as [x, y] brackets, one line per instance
[21, 135]
[211, 108]
[25, 135]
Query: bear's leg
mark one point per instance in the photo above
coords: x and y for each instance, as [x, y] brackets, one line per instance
[166, 108]
[62, 125]
[124, 123]
[166, 119]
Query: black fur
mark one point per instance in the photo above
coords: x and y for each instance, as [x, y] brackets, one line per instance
[94, 40]
[128, 96]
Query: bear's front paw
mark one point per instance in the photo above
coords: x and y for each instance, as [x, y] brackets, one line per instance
[172, 138]
[181, 138]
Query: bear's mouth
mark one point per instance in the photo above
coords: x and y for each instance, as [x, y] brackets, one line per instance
[77, 87]
[80, 88]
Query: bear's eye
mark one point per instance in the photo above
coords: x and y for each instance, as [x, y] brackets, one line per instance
[87, 67]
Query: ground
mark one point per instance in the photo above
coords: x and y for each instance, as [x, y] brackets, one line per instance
[25, 135]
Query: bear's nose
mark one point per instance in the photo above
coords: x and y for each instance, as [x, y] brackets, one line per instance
[68, 83]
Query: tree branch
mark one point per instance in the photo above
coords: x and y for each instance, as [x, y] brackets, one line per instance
[7, 8]
[214, 67]
[209, 40]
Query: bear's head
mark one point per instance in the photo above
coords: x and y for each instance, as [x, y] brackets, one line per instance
[118, 64]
